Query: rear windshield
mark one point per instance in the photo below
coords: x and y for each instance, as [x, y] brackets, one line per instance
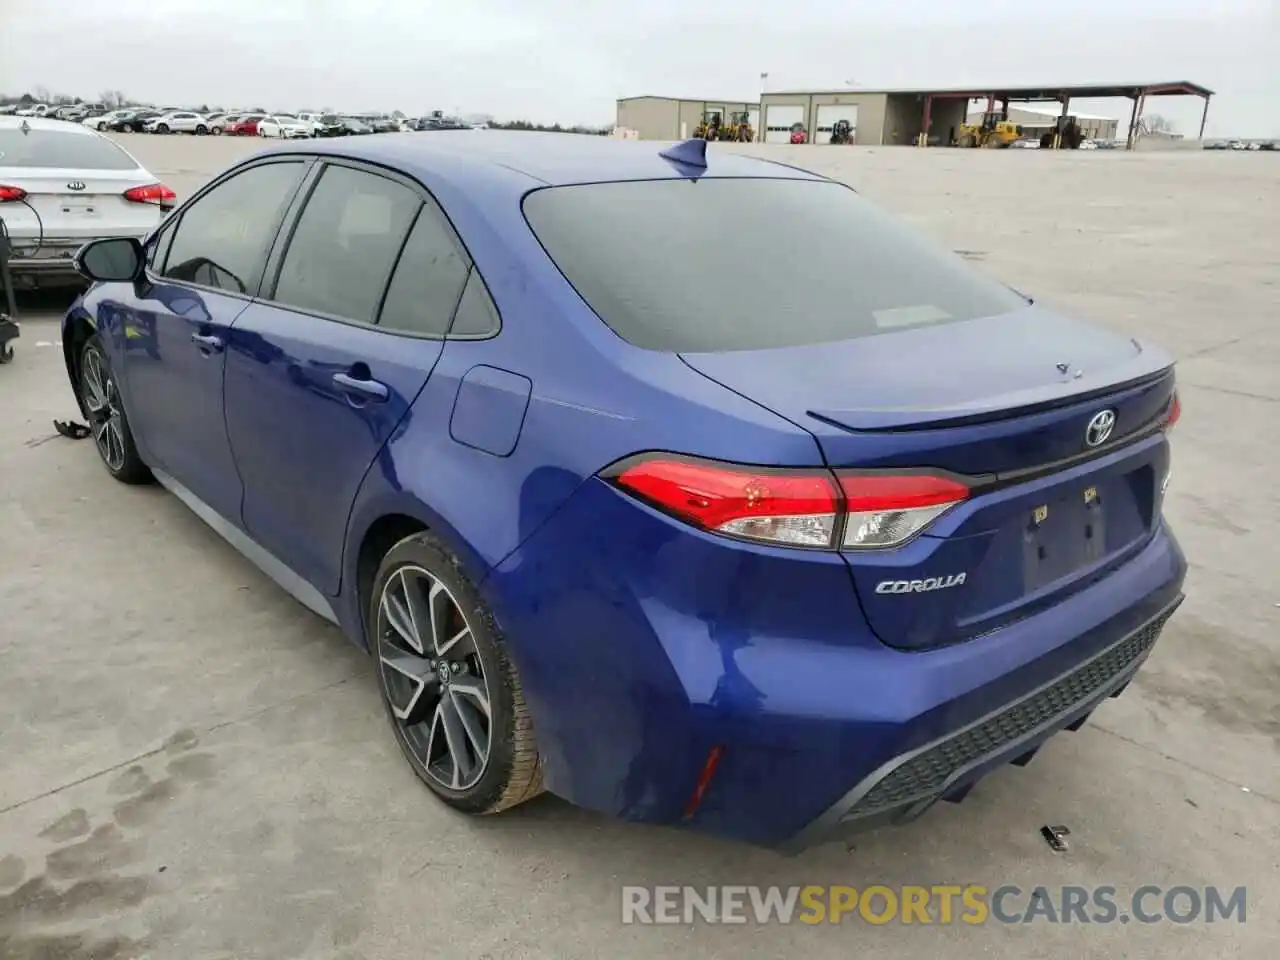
[56, 148]
[750, 264]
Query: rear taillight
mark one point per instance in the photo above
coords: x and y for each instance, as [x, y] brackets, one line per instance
[12, 194]
[1174, 412]
[886, 509]
[799, 508]
[151, 193]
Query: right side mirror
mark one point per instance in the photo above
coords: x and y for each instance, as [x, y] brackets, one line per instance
[113, 260]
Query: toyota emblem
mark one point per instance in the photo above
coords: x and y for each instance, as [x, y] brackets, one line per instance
[75, 185]
[1099, 428]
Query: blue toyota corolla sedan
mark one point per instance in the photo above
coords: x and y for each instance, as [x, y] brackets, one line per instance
[690, 487]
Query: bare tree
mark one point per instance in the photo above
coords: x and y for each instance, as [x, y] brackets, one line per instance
[42, 94]
[1155, 123]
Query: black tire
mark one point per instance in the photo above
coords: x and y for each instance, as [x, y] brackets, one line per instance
[121, 460]
[216, 131]
[128, 128]
[162, 128]
[511, 773]
[201, 130]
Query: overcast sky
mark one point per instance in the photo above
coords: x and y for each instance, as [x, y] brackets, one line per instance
[569, 60]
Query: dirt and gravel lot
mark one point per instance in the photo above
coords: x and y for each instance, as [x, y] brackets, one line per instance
[192, 766]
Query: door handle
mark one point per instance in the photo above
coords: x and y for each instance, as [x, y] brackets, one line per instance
[207, 342]
[369, 390]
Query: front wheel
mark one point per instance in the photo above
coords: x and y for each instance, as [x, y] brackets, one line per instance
[107, 419]
[452, 696]
[129, 128]
[162, 128]
[201, 130]
[216, 131]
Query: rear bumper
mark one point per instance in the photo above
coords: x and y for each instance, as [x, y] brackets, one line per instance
[902, 789]
[643, 649]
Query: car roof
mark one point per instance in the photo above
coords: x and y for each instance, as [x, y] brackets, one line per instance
[471, 157]
[8, 122]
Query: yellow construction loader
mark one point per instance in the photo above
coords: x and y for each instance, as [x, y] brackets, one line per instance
[991, 131]
[710, 128]
[738, 128]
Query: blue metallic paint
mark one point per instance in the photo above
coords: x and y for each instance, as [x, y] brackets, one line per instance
[641, 642]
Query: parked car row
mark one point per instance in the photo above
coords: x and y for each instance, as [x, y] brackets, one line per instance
[1241, 145]
[147, 119]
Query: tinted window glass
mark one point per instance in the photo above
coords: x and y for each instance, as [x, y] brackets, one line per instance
[477, 316]
[223, 238]
[56, 148]
[158, 251]
[345, 244]
[803, 262]
[428, 280]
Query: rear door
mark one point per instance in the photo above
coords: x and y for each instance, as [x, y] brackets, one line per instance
[325, 366]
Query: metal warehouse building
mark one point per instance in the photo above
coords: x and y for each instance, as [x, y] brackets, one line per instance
[888, 116]
[664, 118]
[876, 117]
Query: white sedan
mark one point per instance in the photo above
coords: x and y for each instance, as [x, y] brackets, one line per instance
[63, 184]
[102, 121]
[285, 127]
[178, 121]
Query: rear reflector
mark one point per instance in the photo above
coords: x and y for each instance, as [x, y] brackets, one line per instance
[12, 194]
[888, 509]
[799, 508]
[704, 781]
[1174, 412]
[151, 193]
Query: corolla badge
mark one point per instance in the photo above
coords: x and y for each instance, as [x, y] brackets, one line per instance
[927, 585]
[1099, 428]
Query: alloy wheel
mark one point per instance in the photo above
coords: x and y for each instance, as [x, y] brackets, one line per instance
[102, 402]
[434, 678]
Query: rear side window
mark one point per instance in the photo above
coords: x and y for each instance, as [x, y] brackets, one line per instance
[428, 280]
[223, 237]
[477, 316]
[748, 264]
[345, 244]
[55, 148]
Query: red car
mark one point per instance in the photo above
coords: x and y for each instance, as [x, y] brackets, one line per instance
[246, 126]
[799, 134]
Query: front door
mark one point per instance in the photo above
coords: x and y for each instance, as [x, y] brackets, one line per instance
[205, 267]
[325, 366]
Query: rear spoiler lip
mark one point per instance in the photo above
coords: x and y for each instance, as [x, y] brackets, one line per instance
[1147, 368]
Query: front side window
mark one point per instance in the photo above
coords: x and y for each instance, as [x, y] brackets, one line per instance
[345, 244]
[223, 238]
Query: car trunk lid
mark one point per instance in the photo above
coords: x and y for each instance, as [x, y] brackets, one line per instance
[1009, 408]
